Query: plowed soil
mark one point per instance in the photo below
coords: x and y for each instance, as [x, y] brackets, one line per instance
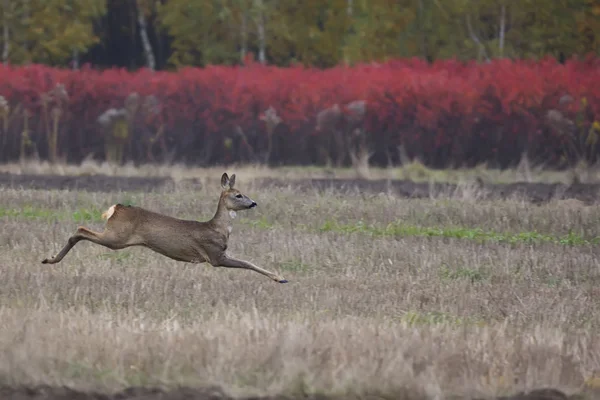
[140, 393]
[534, 192]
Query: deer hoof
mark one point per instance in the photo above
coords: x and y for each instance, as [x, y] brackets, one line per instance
[283, 281]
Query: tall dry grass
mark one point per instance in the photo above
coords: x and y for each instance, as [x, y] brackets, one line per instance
[367, 310]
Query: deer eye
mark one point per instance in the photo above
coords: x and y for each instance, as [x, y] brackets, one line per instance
[239, 196]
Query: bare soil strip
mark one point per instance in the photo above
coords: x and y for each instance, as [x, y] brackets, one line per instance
[44, 392]
[536, 193]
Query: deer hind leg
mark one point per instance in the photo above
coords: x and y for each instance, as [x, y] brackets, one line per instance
[105, 239]
[230, 262]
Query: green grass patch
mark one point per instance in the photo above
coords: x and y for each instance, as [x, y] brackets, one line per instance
[294, 266]
[393, 229]
[261, 223]
[118, 256]
[82, 214]
[27, 212]
[470, 274]
[476, 234]
[78, 215]
[415, 318]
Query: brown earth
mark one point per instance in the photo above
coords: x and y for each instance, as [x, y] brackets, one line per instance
[43, 392]
[534, 192]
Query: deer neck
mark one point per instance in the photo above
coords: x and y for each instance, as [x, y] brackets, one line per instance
[223, 217]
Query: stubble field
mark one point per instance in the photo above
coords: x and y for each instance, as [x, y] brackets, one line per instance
[447, 296]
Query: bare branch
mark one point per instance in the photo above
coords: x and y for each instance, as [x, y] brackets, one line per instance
[502, 29]
[260, 26]
[474, 37]
[145, 40]
[6, 33]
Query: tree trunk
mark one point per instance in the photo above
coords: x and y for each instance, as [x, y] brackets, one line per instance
[421, 25]
[6, 33]
[260, 26]
[482, 52]
[502, 30]
[26, 15]
[244, 35]
[150, 61]
[75, 59]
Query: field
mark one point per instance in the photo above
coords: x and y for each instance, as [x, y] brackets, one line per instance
[453, 293]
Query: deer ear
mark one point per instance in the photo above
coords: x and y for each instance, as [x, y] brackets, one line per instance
[231, 181]
[224, 180]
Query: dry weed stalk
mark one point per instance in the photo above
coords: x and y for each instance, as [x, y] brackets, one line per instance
[272, 120]
[26, 141]
[54, 105]
[581, 143]
[345, 128]
[119, 123]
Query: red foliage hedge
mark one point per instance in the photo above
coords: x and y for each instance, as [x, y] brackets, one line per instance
[447, 113]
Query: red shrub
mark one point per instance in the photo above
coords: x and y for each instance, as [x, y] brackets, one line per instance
[447, 113]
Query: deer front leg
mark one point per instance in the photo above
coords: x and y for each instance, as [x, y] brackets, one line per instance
[230, 262]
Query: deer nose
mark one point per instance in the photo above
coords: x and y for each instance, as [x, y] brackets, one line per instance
[253, 204]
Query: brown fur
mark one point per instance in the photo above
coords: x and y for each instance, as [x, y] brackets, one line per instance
[179, 239]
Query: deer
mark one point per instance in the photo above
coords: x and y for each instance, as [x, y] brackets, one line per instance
[179, 239]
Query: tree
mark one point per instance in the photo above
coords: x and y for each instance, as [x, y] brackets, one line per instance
[48, 31]
[484, 29]
[380, 29]
[310, 32]
[203, 32]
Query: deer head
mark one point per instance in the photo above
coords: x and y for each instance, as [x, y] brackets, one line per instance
[233, 199]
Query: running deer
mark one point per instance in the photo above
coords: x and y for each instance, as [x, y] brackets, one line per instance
[182, 240]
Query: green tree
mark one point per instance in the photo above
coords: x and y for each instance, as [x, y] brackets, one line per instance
[310, 32]
[485, 29]
[588, 27]
[203, 32]
[48, 31]
[381, 29]
[545, 28]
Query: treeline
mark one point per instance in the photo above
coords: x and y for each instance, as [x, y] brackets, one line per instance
[446, 113]
[165, 34]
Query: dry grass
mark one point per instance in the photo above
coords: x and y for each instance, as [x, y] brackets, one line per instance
[414, 171]
[384, 296]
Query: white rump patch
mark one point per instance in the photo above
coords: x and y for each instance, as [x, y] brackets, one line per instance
[109, 213]
[229, 228]
[232, 214]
